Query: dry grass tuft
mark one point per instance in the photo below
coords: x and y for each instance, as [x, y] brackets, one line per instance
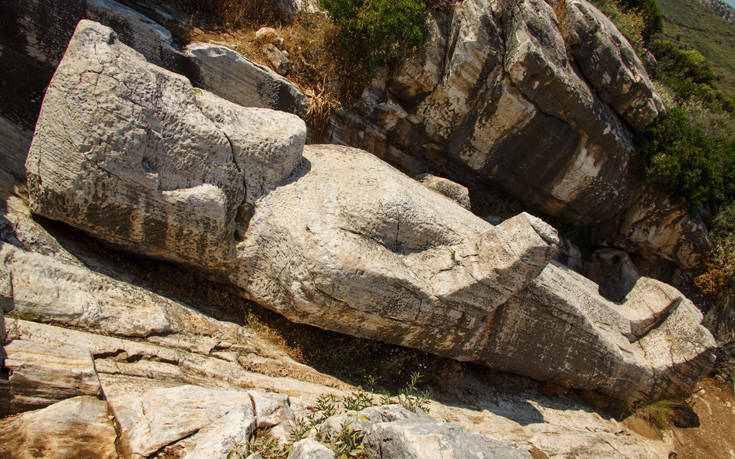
[665, 414]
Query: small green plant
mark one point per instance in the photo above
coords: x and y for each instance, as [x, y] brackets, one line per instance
[346, 443]
[299, 429]
[381, 30]
[357, 400]
[326, 407]
[262, 442]
[411, 398]
[667, 413]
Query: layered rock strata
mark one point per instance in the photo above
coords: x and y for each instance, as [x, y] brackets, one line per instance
[335, 238]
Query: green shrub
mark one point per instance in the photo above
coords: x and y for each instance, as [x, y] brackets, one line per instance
[718, 281]
[630, 22]
[381, 30]
[653, 22]
[682, 160]
[687, 73]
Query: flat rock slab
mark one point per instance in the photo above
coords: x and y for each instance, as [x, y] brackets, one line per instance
[430, 439]
[41, 374]
[210, 421]
[77, 427]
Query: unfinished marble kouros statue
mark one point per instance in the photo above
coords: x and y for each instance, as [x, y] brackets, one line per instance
[334, 237]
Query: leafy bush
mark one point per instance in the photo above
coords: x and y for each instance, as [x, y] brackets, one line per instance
[630, 22]
[686, 163]
[650, 13]
[381, 30]
[686, 72]
[718, 281]
[638, 20]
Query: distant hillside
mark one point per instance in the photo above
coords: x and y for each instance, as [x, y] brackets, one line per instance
[691, 25]
[720, 8]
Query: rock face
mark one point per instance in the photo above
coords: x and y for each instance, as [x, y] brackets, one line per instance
[391, 431]
[608, 63]
[498, 95]
[337, 239]
[41, 375]
[655, 226]
[120, 321]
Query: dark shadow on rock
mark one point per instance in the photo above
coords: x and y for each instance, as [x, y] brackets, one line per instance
[7, 229]
[181, 284]
[299, 171]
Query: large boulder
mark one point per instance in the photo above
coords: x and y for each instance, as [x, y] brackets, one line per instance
[389, 260]
[336, 238]
[608, 63]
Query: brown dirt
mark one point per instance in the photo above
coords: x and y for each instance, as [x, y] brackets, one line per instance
[714, 404]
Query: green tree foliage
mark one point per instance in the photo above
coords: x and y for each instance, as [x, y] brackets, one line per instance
[629, 22]
[381, 30]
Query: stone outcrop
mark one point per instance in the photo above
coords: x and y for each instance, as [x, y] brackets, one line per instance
[336, 239]
[391, 431]
[656, 227]
[608, 63]
[42, 375]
